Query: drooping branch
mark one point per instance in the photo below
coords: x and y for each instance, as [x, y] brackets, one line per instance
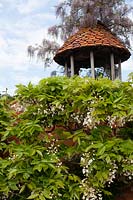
[45, 51]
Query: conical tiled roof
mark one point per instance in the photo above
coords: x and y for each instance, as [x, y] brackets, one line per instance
[99, 39]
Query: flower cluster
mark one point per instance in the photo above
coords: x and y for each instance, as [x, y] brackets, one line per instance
[55, 196]
[52, 147]
[50, 109]
[130, 118]
[128, 173]
[115, 122]
[17, 107]
[90, 193]
[86, 161]
[89, 120]
[77, 117]
[112, 174]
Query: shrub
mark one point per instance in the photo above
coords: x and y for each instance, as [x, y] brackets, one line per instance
[67, 139]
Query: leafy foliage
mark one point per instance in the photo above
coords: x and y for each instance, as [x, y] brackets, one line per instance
[67, 138]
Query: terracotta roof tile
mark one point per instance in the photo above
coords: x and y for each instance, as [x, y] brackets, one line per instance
[88, 37]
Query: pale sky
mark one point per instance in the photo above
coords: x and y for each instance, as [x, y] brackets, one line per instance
[23, 23]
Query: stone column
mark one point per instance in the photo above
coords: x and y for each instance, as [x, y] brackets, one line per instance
[119, 70]
[92, 64]
[72, 65]
[112, 66]
[65, 69]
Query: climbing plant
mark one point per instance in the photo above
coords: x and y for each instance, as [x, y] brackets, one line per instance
[67, 139]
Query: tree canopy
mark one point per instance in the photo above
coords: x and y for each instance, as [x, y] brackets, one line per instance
[74, 14]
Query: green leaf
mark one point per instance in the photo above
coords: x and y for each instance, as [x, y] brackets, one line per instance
[41, 197]
[22, 189]
[60, 183]
[26, 176]
[12, 173]
[46, 193]
[31, 186]
[33, 196]
[94, 146]
[39, 152]
[13, 186]
[108, 159]
[101, 151]
[38, 167]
